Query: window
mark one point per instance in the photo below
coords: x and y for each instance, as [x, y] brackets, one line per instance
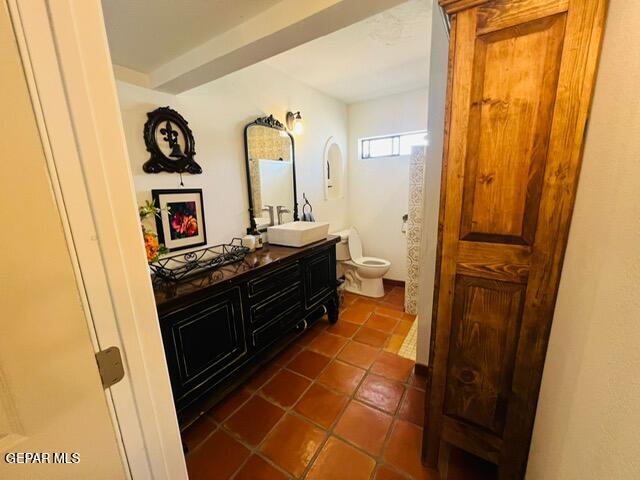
[391, 145]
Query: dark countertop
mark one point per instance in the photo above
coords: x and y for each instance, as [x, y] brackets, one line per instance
[269, 256]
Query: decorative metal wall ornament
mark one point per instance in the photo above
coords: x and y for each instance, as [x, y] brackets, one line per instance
[269, 121]
[170, 142]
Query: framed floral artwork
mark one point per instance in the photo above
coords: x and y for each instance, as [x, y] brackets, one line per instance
[181, 221]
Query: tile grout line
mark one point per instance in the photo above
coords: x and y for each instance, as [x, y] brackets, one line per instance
[287, 410]
[331, 359]
[378, 459]
[328, 432]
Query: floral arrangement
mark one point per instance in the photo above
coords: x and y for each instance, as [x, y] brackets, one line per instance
[183, 220]
[151, 244]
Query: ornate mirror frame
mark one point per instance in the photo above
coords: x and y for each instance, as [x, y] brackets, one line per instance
[269, 122]
[159, 162]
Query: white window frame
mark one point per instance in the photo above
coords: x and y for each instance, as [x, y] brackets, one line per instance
[396, 140]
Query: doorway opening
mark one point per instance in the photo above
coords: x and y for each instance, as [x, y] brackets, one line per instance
[358, 98]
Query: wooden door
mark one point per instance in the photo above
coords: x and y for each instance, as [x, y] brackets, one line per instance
[521, 74]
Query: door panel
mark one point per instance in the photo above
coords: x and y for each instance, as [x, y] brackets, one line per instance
[51, 395]
[515, 75]
[484, 333]
[521, 78]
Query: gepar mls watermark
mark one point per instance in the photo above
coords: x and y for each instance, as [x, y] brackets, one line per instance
[42, 457]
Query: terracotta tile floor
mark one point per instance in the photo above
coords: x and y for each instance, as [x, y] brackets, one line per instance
[337, 404]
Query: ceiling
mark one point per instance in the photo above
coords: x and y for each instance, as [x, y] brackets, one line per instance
[379, 56]
[144, 34]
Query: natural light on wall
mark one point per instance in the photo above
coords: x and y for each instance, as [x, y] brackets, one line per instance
[391, 145]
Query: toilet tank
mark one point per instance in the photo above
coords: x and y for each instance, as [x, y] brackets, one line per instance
[342, 247]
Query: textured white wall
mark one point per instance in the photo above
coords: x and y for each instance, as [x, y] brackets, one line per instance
[217, 113]
[276, 186]
[433, 170]
[589, 408]
[379, 187]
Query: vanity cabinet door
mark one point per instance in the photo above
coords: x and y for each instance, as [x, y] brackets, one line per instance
[319, 276]
[202, 342]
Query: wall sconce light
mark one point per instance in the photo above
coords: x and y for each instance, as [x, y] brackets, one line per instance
[294, 123]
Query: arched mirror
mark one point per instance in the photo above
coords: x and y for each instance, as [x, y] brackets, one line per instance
[271, 173]
[333, 170]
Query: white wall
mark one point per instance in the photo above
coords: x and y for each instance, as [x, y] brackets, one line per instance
[379, 188]
[589, 408]
[439, 55]
[276, 186]
[217, 113]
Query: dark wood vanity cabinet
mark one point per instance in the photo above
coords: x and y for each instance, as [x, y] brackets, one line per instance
[319, 277]
[217, 330]
[203, 339]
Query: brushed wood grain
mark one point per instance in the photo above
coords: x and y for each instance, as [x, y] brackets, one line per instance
[521, 75]
[583, 38]
[513, 91]
[484, 333]
[477, 442]
[501, 14]
[453, 6]
[509, 263]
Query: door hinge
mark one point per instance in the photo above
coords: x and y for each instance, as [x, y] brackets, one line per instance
[110, 366]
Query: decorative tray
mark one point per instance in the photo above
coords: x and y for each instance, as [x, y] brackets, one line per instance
[173, 268]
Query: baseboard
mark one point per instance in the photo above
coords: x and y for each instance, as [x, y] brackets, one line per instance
[421, 369]
[394, 283]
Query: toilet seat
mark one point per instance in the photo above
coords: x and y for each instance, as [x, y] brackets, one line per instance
[372, 262]
[371, 267]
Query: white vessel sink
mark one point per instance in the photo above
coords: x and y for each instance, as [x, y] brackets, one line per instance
[298, 234]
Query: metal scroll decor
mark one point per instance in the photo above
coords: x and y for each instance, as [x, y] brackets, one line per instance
[171, 269]
[270, 121]
[170, 142]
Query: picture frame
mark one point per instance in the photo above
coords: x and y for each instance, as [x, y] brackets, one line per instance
[181, 223]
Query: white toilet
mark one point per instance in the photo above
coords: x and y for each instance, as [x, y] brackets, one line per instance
[363, 275]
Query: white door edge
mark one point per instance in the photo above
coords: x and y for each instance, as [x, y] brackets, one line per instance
[65, 56]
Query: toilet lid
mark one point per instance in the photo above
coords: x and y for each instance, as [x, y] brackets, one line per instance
[355, 245]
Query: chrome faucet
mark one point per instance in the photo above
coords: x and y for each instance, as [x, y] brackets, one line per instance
[269, 208]
[281, 209]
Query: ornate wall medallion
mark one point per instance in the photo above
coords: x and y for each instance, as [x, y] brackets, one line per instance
[170, 142]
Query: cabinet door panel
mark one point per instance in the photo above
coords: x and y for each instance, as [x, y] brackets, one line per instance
[521, 76]
[484, 333]
[515, 75]
[203, 340]
[319, 277]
